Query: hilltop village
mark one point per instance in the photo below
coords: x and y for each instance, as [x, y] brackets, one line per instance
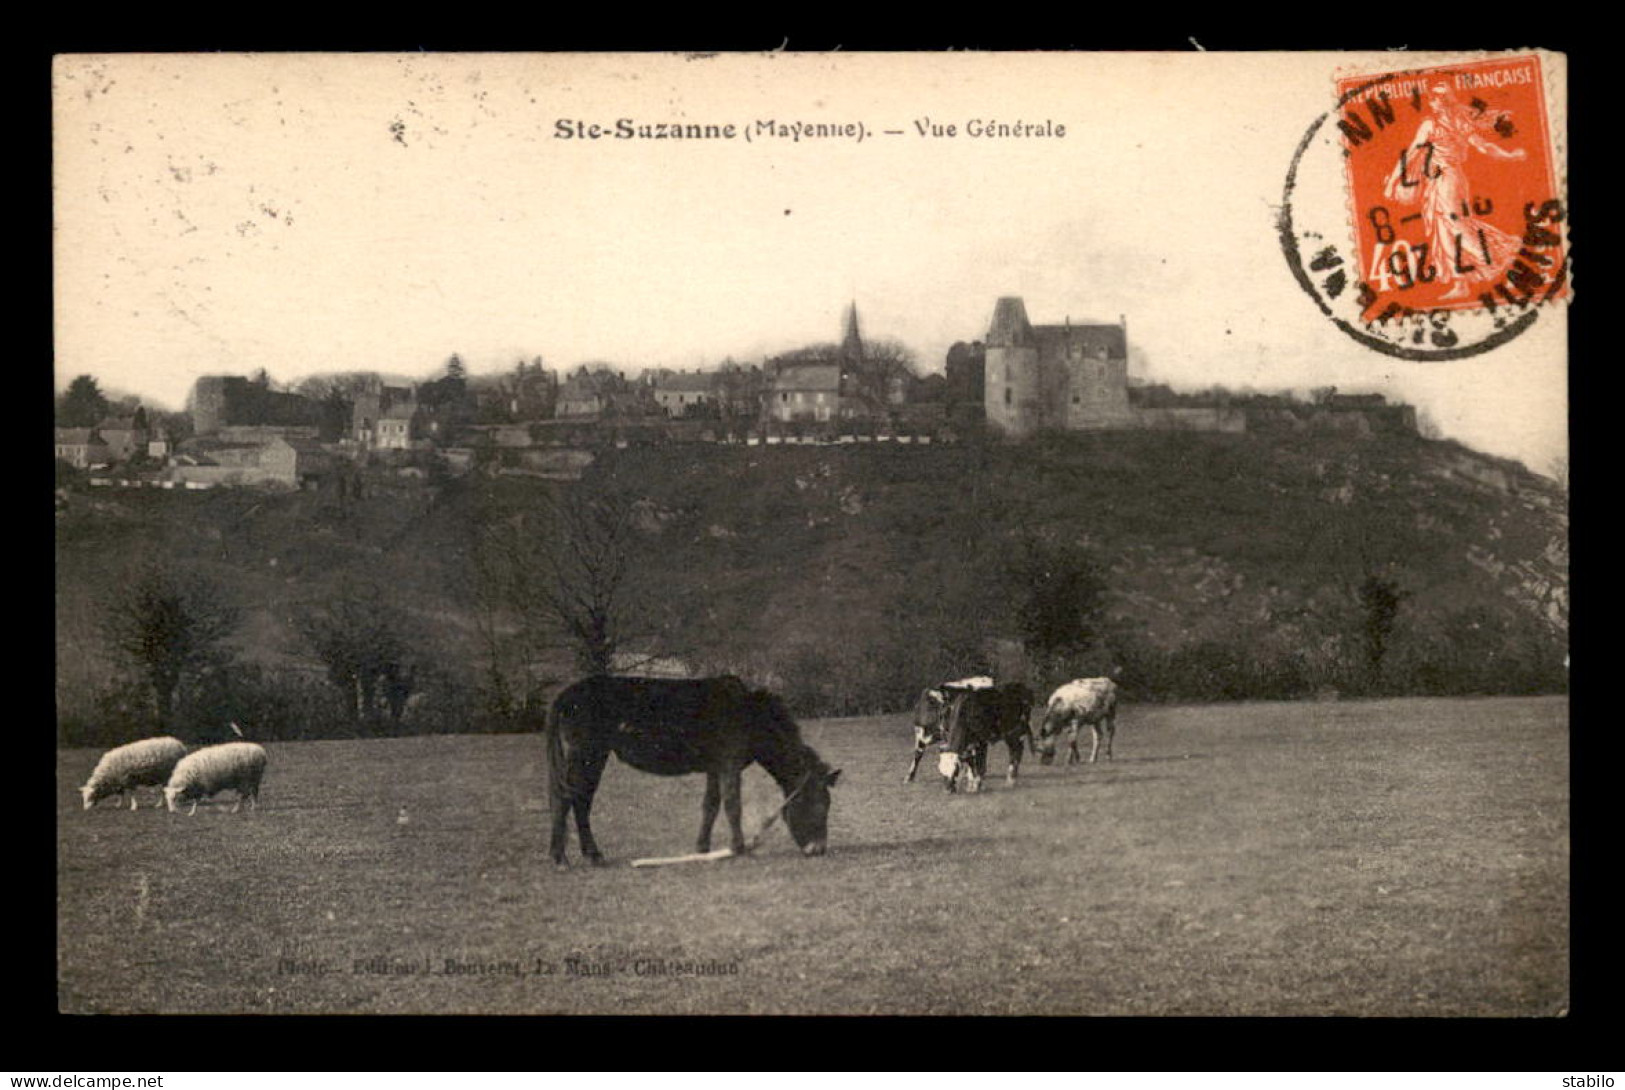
[1019, 380]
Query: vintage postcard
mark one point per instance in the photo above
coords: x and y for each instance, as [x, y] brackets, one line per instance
[964, 533]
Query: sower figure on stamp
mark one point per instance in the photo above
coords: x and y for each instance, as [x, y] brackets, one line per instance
[1461, 245]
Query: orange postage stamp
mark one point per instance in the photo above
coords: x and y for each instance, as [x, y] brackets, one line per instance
[1451, 183]
[1441, 233]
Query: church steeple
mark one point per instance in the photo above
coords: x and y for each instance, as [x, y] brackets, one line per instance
[851, 342]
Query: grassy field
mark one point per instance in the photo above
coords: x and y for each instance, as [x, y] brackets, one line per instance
[1386, 858]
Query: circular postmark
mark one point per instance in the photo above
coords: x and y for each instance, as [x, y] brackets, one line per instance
[1423, 213]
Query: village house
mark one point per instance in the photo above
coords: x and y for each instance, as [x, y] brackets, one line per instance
[275, 461]
[123, 437]
[685, 393]
[805, 391]
[81, 447]
[591, 393]
[396, 426]
[383, 417]
[845, 385]
[584, 393]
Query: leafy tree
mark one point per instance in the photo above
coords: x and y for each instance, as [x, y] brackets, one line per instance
[337, 409]
[82, 404]
[930, 388]
[360, 639]
[167, 632]
[448, 388]
[1380, 598]
[1060, 592]
[528, 393]
[173, 427]
[448, 399]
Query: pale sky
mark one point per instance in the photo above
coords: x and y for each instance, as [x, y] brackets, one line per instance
[307, 213]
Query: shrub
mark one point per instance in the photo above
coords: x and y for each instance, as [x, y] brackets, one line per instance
[120, 713]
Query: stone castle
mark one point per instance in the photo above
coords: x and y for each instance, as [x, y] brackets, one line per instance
[1055, 376]
[1073, 378]
[220, 401]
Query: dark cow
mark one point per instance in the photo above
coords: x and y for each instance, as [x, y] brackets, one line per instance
[670, 727]
[1088, 702]
[930, 713]
[976, 720]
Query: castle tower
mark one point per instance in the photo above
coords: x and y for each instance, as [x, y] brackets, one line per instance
[208, 404]
[1013, 393]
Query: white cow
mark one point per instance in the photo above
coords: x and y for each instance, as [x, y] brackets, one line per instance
[1087, 700]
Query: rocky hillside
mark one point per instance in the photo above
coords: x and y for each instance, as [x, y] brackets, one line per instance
[1224, 566]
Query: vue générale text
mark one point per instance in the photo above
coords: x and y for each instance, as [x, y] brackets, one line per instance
[627, 128]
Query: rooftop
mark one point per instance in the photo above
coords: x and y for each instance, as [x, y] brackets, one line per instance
[1096, 341]
[685, 381]
[808, 376]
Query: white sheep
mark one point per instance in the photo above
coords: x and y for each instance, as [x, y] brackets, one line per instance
[235, 765]
[146, 763]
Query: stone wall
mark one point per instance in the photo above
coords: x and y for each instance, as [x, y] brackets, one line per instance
[1213, 419]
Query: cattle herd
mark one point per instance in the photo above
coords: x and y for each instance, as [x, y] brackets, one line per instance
[964, 718]
[718, 726]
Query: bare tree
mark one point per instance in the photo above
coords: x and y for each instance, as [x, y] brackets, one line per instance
[568, 568]
[168, 631]
[584, 577]
[345, 384]
[886, 374]
[488, 580]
